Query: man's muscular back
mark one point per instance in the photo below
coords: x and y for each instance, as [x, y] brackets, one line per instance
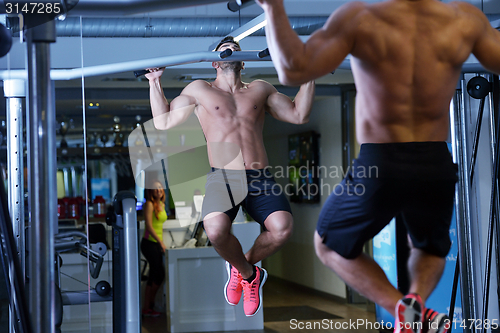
[407, 58]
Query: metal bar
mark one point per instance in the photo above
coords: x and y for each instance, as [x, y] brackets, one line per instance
[131, 269]
[456, 152]
[126, 276]
[454, 290]
[167, 61]
[42, 178]
[82, 297]
[14, 92]
[174, 60]
[494, 111]
[462, 203]
[475, 143]
[489, 243]
[493, 216]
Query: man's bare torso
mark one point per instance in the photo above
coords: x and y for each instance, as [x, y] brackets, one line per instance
[233, 117]
[406, 61]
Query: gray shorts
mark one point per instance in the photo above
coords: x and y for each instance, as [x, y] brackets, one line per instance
[255, 190]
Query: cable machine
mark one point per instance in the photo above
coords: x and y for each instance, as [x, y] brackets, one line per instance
[477, 200]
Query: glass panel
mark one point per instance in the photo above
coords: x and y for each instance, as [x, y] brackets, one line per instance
[74, 274]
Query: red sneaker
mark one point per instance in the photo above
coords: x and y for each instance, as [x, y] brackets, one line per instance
[409, 314]
[252, 293]
[435, 322]
[233, 288]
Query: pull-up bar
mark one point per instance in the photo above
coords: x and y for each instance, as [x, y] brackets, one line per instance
[168, 61]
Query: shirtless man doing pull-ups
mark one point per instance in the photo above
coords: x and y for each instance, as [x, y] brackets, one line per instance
[231, 114]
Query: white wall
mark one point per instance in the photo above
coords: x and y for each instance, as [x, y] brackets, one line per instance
[297, 261]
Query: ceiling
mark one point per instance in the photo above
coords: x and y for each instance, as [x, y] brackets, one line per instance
[113, 35]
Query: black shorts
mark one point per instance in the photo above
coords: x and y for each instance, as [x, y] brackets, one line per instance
[255, 190]
[414, 179]
[154, 255]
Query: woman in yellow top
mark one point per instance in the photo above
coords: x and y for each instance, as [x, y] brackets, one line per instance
[152, 246]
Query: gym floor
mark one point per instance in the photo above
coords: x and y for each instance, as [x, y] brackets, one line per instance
[286, 306]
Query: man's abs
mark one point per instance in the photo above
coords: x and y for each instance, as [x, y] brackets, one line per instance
[238, 148]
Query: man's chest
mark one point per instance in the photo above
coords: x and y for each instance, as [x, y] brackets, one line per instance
[245, 102]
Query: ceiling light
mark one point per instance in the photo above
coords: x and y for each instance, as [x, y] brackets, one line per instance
[250, 31]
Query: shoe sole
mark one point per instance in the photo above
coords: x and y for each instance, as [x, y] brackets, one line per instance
[228, 270]
[417, 320]
[260, 293]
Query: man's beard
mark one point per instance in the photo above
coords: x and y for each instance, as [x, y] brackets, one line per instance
[233, 66]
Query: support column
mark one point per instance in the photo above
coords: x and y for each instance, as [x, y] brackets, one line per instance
[495, 231]
[459, 141]
[15, 93]
[42, 186]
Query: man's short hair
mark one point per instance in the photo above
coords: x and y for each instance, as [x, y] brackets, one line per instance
[227, 39]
